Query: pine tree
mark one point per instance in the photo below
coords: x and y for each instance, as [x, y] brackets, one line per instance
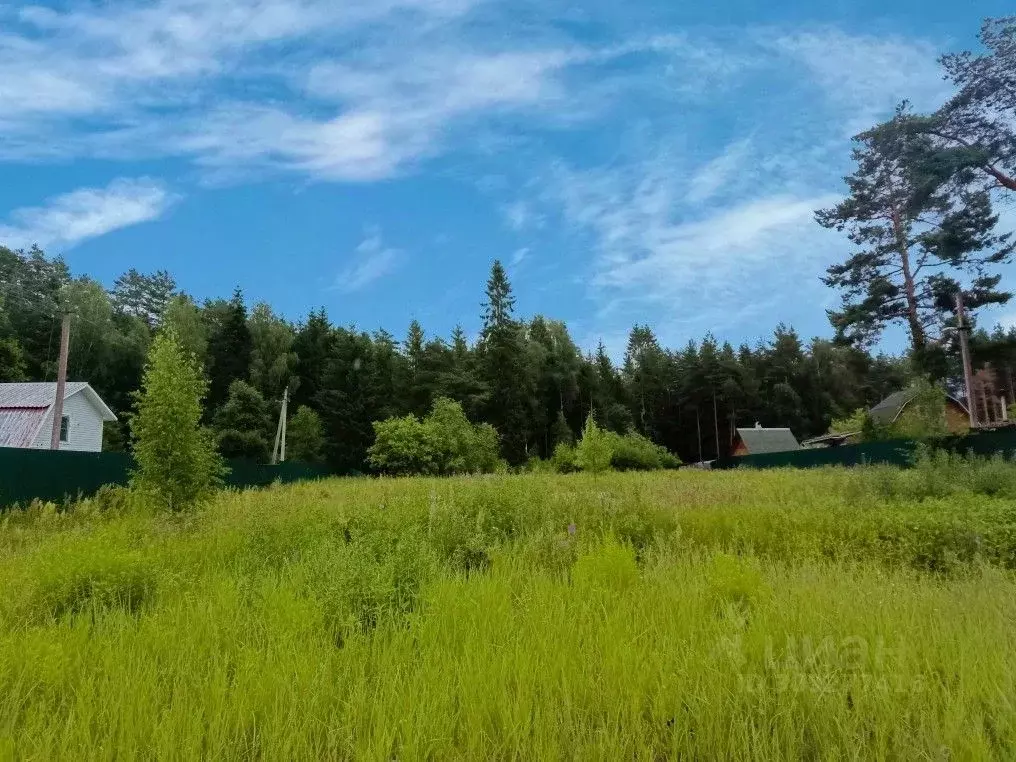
[144, 296]
[914, 238]
[976, 129]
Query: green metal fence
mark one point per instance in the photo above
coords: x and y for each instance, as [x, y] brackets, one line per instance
[899, 452]
[26, 475]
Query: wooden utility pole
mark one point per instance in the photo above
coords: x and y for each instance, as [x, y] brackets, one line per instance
[968, 374]
[61, 381]
[698, 427]
[279, 448]
[716, 426]
[285, 423]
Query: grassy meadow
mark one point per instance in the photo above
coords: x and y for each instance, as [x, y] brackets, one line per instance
[688, 615]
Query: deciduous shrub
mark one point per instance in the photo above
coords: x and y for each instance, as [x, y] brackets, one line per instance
[443, 443]
[564, 459]
[634, 452]
[599, 450]
[403, 446]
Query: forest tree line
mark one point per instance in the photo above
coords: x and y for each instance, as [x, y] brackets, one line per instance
[920, 212]
[526, 377]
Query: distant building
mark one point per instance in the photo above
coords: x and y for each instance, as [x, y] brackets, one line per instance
[26, 416]
[833, 440]
[894, 408]
[989, 397]
[760, 441]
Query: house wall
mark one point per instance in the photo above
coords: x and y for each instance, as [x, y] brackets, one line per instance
[956, 418]
[85, 434]
[739, 449]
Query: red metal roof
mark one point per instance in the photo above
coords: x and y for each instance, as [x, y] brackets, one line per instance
[18, 426]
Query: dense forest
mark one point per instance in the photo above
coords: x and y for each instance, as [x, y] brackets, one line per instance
[526, 377]
[920, 211]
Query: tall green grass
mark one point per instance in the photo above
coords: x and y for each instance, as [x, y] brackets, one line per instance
[770, 615]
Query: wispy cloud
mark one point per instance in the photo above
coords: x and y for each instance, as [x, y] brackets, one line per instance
[372, 260]
[248, 85]
[87, 213]
[866, 76]
[519, 255]
[711, 178]
[520, 215]
[663, 243]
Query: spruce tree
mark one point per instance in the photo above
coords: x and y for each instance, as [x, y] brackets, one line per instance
[504, 368]
[461, 380]
[418, 393]
[313, 345]
[229, 348]
[242, 424]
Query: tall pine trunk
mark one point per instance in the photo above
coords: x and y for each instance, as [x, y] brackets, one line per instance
[917, 337]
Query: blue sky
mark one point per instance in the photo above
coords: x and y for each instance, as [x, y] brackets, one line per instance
[646, 161]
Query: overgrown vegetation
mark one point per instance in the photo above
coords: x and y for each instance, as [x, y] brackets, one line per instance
[598, 451]
[862, 614]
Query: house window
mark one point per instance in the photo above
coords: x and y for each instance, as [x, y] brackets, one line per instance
[65, 427]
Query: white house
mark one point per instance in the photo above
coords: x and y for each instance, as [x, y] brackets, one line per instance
[26, 416]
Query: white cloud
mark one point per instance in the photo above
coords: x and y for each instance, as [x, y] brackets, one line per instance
[709, 265]
[867, 76]
[711, 178]
[371, 260]
[143, 70]
[520, 215]
[350, 91]
[87, 213]
[519, 255]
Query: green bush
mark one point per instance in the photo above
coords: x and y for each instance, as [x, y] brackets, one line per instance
[444, 443]
[403, 446]
[563, 460]
[634, 452]
[630, 452]
[924, 416]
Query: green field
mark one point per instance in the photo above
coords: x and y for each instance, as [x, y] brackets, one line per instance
[688, 615]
